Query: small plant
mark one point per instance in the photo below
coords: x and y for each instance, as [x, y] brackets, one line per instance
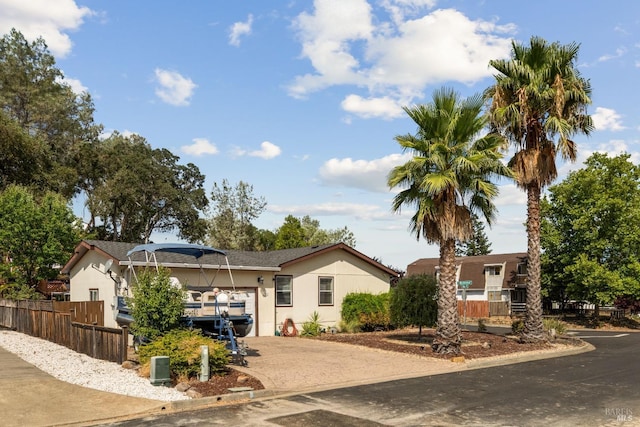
[350, 327]
[182, 346]
[312, 327]
[482, 327]
[557, 326]
[517, 327]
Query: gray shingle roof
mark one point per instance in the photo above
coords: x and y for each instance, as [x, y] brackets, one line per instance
[237, 259]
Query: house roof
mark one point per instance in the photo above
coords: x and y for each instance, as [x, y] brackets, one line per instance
[238, 260]
[472, 268]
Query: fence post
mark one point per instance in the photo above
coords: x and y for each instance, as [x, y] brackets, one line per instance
[124, 344]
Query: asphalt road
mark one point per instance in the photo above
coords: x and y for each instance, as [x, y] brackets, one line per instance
[597, 388]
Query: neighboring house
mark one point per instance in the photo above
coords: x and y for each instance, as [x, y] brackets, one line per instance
[499, 279]
[283, 284]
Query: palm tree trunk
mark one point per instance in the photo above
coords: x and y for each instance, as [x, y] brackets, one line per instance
[533, 328]
[448, 339]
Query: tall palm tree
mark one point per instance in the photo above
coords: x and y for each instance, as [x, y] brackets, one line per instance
[538, 96]
[446, 181]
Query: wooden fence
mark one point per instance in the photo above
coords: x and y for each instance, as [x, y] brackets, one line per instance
[480, 309]
[75, 325]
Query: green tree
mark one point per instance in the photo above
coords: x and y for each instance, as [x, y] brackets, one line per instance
[414, 302]
[589, 232]
[538, 96]
[315, 236]
[290, 234]
[234, 208]
[156, 305]
[34, 95]
[141, 190]
[23, 159]
[478, 244]
[446, 181]
[305, 231]
[37, 235]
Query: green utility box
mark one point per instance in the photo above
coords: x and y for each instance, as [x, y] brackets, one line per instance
[160, 371]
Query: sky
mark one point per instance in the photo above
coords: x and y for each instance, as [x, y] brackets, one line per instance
[302, 100]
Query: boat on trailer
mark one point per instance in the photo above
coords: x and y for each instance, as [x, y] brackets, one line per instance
[217, 313]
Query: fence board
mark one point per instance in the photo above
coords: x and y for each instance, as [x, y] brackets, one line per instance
[474, 308]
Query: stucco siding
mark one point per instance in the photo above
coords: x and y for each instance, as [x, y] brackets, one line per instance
[349, 273]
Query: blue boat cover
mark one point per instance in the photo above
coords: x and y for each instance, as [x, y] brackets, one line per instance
[194, 250]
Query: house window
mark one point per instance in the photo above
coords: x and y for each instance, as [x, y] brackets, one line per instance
[492, 270]
[94, 295]
[522, 269]
[325, 291]
[284, 291]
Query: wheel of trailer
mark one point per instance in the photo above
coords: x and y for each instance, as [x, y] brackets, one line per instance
[137, 342]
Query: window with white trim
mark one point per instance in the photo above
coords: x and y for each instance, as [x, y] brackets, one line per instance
[492, 270]
[325, 290]
[522, 269]
[284, 291]
[94, 295]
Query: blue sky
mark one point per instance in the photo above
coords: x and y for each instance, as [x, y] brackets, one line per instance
[303, 99]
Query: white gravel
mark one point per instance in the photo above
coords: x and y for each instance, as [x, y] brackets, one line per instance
[80, 369]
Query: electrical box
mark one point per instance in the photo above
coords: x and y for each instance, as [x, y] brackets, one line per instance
[160, 371]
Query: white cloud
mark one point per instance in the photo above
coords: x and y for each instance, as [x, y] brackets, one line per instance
[267, 151]
[399, 9]
[39, 18]
[200, 146]
[76, 85]
[607, 119]
[509, 195]
[384, 107]
[240, 29]
[621, 51]
[173, 88]
[401, 57]
[358, 211]
[369, 175]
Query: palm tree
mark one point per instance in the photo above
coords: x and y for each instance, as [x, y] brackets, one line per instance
[538, 96]
[446, 181]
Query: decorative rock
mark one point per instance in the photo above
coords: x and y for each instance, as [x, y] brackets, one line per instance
[242, 379]
[486, 345]
[129, 364]
[182, 387]
[193, 394]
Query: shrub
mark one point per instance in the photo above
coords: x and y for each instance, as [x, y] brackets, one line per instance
[482, 326]
[350, 327]
[370, 311]
[413, 301]
[182, 346]
[156, 305]
[517, 327]
[553, 323]
[312, 327]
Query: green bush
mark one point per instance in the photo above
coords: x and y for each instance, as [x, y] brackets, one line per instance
[517, 327]
[369, 311]
[312, 327]
[182, 346]
[413, 301]
[350, 327]
[482, 325]
[553, 323]
[157, 305]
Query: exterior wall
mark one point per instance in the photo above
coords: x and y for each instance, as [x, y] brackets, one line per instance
[85, 277]
[350, 274]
